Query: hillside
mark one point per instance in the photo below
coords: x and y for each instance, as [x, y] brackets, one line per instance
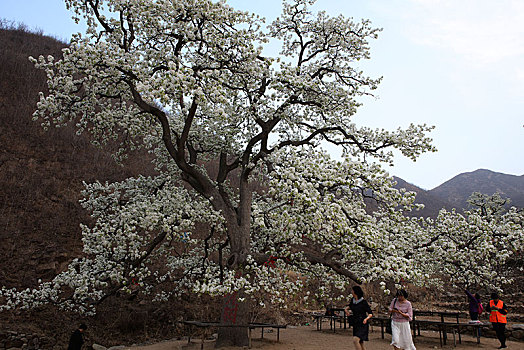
[33, 193]
[41, 172]
[457, 190]
[41, 176]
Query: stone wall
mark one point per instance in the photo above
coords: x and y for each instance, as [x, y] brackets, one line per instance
[513, 332]
[10, 340]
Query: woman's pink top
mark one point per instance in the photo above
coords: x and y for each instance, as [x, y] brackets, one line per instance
[405, 307]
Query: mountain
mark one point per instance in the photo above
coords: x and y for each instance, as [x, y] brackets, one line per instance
[457, 190]
[41, 172]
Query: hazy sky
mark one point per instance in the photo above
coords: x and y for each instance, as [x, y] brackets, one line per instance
[458, 65]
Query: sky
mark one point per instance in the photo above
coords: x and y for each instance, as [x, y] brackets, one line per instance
[457, 65]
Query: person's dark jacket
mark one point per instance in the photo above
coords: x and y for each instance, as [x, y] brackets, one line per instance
[76, 340]
[473, 302]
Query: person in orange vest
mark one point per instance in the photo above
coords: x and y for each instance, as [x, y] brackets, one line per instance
[497, 317]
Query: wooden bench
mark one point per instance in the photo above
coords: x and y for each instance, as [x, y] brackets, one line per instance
[249, 326]
[442, 315]
[383, 320]
[458, 326]
[265, 325]
[439, 325]
[333, 315]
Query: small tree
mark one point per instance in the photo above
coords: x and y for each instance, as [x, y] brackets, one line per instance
[237, 143]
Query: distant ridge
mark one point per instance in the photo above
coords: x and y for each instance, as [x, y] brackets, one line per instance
[455, 192]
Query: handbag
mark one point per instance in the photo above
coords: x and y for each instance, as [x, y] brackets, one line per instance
[480, 308]
[388, 325]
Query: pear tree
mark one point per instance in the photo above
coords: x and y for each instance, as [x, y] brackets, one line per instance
[244, 191]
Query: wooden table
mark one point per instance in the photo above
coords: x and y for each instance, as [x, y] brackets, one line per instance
[382, 320]
[476, 327]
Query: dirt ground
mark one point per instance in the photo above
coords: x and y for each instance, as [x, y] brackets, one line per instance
[308, 338]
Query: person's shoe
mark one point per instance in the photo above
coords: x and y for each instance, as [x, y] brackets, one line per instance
[502, 347]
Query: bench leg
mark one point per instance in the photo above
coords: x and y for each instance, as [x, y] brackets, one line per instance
[478, 335]
[278, 335]
[249, 338]
[262, 335]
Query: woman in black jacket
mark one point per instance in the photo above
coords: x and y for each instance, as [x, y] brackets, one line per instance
[361, 315]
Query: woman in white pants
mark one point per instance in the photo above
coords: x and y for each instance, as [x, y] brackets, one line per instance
[401, 313]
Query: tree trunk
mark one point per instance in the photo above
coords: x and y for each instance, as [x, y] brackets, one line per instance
[234, 312]
[235, 308]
